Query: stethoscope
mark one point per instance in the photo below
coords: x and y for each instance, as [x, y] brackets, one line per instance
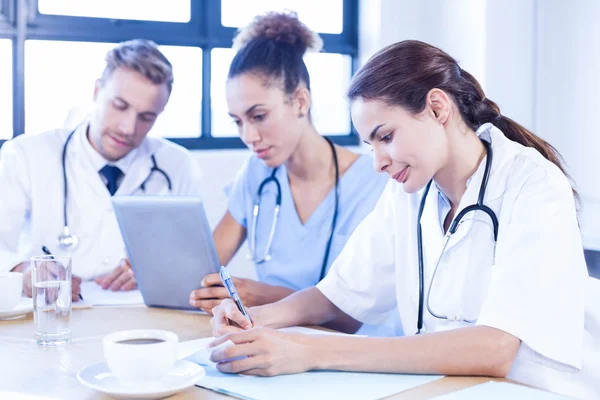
[453, 227]
[256, 211]
[69, 241]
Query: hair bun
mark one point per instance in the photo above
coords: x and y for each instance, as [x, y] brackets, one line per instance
[280, 27]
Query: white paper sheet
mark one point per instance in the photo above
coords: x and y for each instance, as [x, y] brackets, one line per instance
[94, 295]
[4, 394]
[501, 391]
[197, 351]
[315, 385]
[190, 347]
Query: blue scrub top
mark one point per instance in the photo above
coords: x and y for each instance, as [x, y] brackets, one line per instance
[298, 249]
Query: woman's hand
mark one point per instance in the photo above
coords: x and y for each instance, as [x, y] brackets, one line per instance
[228, 319]
[264, 352]
[251, 292]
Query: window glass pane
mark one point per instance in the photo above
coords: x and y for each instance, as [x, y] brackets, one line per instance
[221, 122]
[6, 90]
[145, 10]
[183, 114]
[60, 78]
[318, 15]
[330, 76]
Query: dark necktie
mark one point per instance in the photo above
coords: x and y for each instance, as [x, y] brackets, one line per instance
[112, 174]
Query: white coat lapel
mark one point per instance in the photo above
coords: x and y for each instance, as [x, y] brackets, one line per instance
[431, 229]
[495, 186]
[80, 171]
[88, 198]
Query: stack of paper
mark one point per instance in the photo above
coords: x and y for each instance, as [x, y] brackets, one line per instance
[94, 295]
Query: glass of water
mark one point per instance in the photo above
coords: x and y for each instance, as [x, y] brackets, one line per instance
[51, 289]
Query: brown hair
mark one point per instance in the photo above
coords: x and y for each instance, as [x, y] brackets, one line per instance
[403, 74]
[142, 56]
[273, 45]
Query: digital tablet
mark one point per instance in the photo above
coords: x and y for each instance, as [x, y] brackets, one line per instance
[169, 244]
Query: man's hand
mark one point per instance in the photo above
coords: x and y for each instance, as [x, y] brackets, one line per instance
[121, 278]
[27, 289]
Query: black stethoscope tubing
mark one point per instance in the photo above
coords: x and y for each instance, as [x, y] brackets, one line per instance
[453, 226]
[273, 178]
[154, 168]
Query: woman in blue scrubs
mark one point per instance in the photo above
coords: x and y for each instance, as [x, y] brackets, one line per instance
[268, 97]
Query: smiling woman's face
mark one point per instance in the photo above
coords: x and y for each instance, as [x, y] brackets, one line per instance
[267, 119]
[410, 148]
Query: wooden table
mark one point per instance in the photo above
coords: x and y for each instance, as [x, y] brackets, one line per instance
[28, 368]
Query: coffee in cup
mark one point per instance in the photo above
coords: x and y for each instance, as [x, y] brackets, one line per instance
[140, 356]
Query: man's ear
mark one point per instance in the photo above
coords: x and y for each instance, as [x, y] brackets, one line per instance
[97, 88]
[438, 102]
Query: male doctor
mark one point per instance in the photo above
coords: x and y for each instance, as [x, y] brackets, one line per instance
[109, 154]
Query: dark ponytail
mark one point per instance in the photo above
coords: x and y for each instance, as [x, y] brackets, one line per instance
[273, 45]
[402, 74]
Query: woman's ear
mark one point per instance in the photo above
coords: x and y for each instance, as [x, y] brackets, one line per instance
[439, 103]
[302, 101]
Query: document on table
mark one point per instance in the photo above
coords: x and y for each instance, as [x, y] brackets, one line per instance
[94, 295]
[500, 391]
[22, 396]
[315, 384]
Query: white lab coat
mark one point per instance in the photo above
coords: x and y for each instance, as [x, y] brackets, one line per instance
[532, 284]
[31, 197]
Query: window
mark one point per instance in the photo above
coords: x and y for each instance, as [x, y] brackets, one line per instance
[50, 103]
[146, 10]
[51, 59]
[222, 124]
[318, 15]
[6, 106]
[329, 76]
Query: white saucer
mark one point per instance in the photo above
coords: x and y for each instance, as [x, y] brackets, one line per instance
[24, 307]
[184, 374]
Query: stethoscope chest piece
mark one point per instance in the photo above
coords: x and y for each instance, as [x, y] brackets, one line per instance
[67, 241]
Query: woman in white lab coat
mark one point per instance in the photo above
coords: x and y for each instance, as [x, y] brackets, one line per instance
[512, 307]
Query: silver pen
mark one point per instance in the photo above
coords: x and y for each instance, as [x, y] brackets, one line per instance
[228, 283]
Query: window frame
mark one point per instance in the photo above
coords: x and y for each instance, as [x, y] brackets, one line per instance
[20, 20]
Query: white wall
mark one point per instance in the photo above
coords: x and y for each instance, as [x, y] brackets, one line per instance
[538, 59]
[568, 60]
[492, 39]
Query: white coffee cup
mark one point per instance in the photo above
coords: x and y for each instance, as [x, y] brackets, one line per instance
[141, 355]
[11, 287]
